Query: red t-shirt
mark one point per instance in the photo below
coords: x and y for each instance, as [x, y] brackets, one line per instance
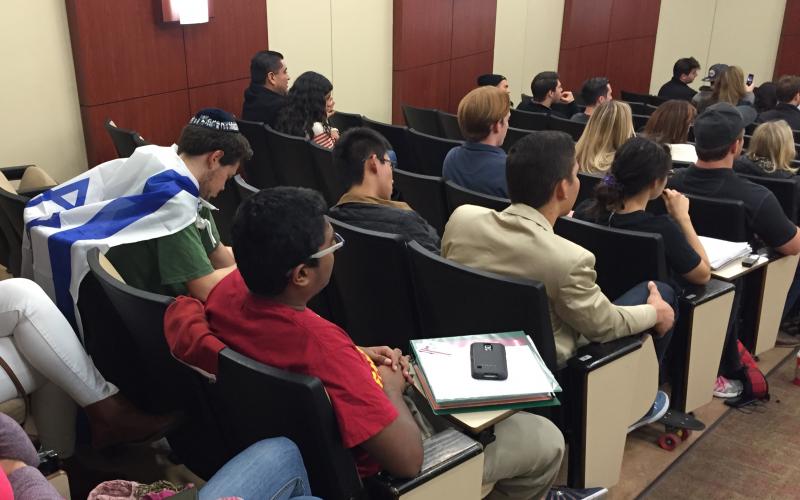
[303, 342]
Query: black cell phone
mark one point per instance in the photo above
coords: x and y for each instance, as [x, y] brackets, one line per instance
[488, 361]
[750, 260]
[750, 79]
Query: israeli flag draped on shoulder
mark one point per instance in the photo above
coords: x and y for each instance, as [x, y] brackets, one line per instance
[149, 195]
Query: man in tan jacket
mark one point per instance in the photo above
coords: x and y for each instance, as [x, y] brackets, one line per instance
[519, 241]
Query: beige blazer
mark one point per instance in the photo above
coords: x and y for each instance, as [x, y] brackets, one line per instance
[519, 241]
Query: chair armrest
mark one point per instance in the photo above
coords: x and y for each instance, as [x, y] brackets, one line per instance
[695, 295]
[14, 173]
[442, 451]
[32, 193]
[595, 355]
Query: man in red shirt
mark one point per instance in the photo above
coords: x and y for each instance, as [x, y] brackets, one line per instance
[284, 250]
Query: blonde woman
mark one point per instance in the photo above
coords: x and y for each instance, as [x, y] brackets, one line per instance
[610, 125]
[770, 153]
[730, 87]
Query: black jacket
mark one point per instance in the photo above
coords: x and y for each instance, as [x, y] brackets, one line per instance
[261, 104]
[676, 89]
[782, 111]
[407, 223]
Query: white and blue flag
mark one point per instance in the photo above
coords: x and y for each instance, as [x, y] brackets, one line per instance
[149, 195]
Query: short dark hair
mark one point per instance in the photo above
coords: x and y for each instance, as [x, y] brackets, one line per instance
[593, 89]
[684, 66]
[543, 83]
[637, 163]
[355, 146]
[275, 230]
[788, 87]
[264, 62]
[196, 140]
[714, 154]
[536, 164]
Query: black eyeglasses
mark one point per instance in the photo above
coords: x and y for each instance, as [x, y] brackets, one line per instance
[392, 164]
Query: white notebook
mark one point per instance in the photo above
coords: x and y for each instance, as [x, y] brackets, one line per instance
[722, 252]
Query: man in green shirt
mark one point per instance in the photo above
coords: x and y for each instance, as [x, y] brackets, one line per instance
[192, 260]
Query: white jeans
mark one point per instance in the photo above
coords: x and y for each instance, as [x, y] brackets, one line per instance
[40, 346]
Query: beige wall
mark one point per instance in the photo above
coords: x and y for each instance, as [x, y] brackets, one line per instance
[736, 32]
[41, 121]
[526, 41]
[349, 41]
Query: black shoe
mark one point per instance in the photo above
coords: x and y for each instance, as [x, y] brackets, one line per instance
[564, 493]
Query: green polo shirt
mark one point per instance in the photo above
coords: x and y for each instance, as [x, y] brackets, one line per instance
[164, 265]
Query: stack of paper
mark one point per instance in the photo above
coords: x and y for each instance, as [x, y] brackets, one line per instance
[444, 371]
[722, 252]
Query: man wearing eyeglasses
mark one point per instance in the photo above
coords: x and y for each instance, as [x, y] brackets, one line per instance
[363, 155]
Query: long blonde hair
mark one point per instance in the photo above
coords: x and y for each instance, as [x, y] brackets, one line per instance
[610, 125]
[773, 141]
[729, 87]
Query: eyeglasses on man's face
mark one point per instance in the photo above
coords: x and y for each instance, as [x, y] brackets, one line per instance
[338, 243]
[392, 164]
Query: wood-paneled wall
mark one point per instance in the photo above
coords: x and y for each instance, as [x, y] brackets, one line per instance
[788, 62]
[612, 38]
[151, 77]
[439, 50]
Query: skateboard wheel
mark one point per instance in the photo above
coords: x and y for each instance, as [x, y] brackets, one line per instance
[684, 434]
[668, 441]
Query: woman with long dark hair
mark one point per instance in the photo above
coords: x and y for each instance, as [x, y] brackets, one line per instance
[306, 113]
[639, 174]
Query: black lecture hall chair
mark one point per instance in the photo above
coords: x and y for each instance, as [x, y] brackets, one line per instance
[458, 195]
[573, 128]
[227, 201]
[373, 285]
[453, 299]
[528, 121]
[429, 152]
[290, 158]
[245, 190]
[125, 141]
[343, 121]
[624, 259]
[422, 119]
[448, 124]
[332, 182]
[397, 135]
[257, 401]
[512, 136]
[198, 441]
[639, 122]
[651, 109]
[634, 97]
[638, 108]
[654, 100]
[425, 194]
[258, 170]
[12, 206]
[588, 184]
[785, 190]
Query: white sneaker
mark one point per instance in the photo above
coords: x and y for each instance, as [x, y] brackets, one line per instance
[727, 388]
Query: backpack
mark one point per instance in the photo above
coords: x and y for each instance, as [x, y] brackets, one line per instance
[755, 384]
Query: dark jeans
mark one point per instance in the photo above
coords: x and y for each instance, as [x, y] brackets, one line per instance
[637, 296]
[793, 295]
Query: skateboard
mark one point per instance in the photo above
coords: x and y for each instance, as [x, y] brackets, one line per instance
[678, 426]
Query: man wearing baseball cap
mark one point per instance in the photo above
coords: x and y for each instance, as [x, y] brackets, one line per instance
[705, 92]
[719, 137]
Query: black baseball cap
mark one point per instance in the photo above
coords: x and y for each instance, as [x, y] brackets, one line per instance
[714, 72]
[720, 124]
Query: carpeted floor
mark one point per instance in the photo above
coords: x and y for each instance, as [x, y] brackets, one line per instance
[752, 454]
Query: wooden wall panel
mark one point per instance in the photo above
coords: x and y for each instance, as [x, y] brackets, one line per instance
[425, 86]
[462, 76]
[121, 51]
[228, 95]
[142, 73]
[220, 50]
[439, 50]
[613, 38]
[422, 32]
[787, 61]
[159, 119]
[473, 27]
